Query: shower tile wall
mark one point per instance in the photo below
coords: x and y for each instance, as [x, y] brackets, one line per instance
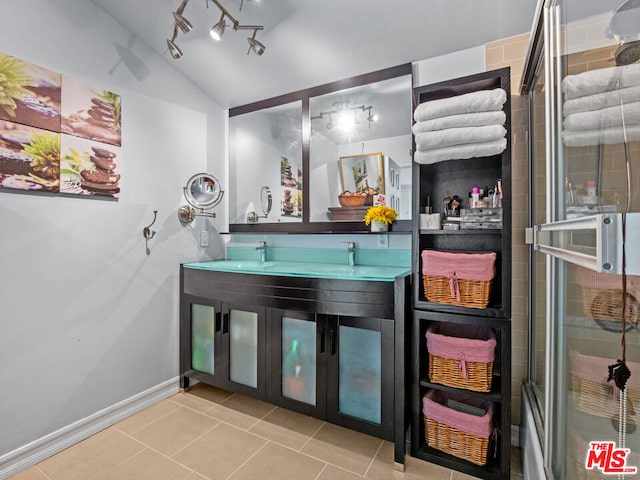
[511, 52]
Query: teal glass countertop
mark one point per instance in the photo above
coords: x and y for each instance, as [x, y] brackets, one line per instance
[301, 269]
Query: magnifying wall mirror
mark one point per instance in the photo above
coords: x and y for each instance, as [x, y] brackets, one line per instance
[266, 202]
[202, 192]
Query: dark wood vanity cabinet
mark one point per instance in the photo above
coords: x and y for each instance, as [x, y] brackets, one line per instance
[436, 182]
[332, 349]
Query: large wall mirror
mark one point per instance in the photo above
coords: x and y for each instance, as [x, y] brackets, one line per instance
[313, 147]
[361, 141]
[265, 166]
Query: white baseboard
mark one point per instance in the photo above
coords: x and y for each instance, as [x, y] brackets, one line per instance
[28, 455]
[515, 436]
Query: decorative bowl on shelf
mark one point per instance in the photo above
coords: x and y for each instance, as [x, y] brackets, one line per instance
[350, 200]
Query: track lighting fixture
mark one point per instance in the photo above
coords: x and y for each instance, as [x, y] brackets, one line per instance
[341, 116]
[257, 47]
[175, 52]
[182, 23]
[216, 32]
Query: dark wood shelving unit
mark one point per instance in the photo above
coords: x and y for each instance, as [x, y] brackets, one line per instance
[440, 180]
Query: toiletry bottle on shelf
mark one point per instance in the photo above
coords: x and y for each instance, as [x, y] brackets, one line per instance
[475, 196]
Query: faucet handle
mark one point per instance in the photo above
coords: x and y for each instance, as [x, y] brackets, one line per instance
[350, 245]
[262, 244]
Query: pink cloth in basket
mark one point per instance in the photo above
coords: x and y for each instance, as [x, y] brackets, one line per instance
[458, 265]
[433, 407]
[467, 343]
[591, 279]
[595, 369]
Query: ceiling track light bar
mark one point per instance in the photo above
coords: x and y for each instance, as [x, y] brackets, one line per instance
[181, 23]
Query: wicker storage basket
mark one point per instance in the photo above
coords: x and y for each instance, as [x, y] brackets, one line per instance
[602, 295]
[461, 356]
[463, 435]
[458, 278]
[592, 393]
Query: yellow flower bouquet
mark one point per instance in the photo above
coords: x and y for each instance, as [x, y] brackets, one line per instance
[382, 214]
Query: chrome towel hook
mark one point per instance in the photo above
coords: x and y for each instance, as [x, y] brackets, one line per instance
[146, 231]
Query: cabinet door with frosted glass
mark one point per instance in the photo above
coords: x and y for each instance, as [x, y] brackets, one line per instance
[243, 343]
[298, 342]
[201, 356]
[360, 373]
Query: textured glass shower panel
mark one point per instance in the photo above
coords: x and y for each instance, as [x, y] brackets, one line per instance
[360, 377]
[597, 131]
[299, 360]
[202, 338]
[243, 345]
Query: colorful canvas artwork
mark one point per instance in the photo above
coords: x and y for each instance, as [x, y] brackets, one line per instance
[88, 167]
[29, 158]
[291, 189]
[57, 134]
[90, 112]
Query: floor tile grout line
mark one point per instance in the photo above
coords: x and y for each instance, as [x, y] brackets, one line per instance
[312, 435]
[245, 462]
[150, 423]
[374, 458]
[42, 471]
[320, 472]
[191, 470]
[194, 440]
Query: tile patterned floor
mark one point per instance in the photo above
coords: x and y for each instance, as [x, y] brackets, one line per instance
[210, 434]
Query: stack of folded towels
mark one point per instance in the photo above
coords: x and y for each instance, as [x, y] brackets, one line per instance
[598, 103]
[465, 126]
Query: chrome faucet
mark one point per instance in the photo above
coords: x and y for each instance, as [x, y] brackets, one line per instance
[351, 251]
[262, 246]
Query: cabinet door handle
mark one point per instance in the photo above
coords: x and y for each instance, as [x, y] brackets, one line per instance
[332, 340]
[322, 340]
[218, 321]
[225, 323]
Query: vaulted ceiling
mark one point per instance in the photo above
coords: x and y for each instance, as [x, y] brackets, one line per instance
[312, 42]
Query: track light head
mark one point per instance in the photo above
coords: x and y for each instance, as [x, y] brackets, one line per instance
[183, 23]
[257, 47]
[175, 52]
[217, 31]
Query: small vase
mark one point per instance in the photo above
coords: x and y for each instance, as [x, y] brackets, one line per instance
[379, 226]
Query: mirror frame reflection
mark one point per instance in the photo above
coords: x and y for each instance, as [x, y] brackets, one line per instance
[304, 96]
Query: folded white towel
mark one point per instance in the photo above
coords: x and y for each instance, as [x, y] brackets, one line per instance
[606, 136]
[601, 100]
[458, 136]
[457, 152]
[479, 101]
[600, 80]
[604, 118]
[477, 119]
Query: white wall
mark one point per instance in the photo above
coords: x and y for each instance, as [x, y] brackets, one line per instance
[88, 317]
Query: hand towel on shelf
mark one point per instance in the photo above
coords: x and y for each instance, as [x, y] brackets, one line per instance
[486, 149]
[477, 119]
[599, 101]
[601, 80]
[604, 136]
[479, 101]
[604, 118]
[458, 136]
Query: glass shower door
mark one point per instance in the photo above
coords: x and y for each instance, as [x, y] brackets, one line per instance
[592, 166]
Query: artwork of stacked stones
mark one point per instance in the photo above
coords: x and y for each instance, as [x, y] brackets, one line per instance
[57, 134]
[102, 178]
[287, 204]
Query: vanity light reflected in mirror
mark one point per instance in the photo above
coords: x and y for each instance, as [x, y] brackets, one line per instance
[202, 192]
[266, 201]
